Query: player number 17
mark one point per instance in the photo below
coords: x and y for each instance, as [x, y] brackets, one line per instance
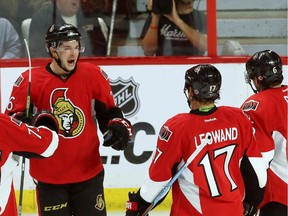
[206, 162]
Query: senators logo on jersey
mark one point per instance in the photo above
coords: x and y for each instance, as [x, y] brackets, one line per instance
[19, 81]
[70, 118]
[250, 105]
[165, 133]
[100, 204]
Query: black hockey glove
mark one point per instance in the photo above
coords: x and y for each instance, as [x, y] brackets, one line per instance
[136, 205]
[21, 116]
[118, 134]
[46, 118]
[249, 210]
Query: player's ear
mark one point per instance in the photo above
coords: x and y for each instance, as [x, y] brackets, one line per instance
[52, 50]
[190, 92]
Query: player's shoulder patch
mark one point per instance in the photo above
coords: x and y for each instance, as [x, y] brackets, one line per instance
[250, 105]
[19, 80]
[103, 73]
[165, 133]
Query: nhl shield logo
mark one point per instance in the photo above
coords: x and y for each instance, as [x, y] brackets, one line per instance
[126, 95]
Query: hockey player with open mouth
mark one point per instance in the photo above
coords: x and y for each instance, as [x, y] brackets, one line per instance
[71, 181]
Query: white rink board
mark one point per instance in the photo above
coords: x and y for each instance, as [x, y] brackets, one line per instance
[161, 96]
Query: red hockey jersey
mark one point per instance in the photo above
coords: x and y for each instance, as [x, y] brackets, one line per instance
[17, 136]
[77, 158]
[213, 180]
[268, 113]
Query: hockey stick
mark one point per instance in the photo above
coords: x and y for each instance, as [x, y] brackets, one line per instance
[167, 187]
[114, 8]
[29, 79]
[27, 114]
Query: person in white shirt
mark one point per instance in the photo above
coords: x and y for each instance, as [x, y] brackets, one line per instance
[10, 45]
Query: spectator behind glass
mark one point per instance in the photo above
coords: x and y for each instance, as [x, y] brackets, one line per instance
[16, 11]
[9, 10]
[26, 8]
[181, 33]
[94, 8]
[10, 46]
[68, 11]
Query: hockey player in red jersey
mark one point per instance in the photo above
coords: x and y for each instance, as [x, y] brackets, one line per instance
[71, 181]
[267, 109]
[212, 184]
[18, 137]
